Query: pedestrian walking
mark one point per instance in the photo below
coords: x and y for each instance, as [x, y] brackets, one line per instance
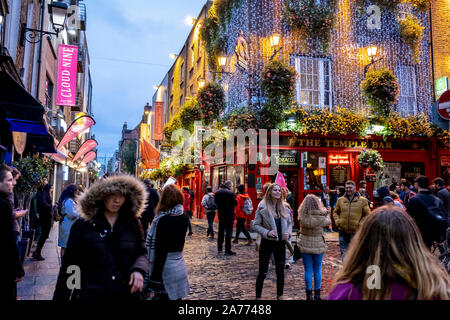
[165, 243]
[45, 219]
[192, 195]
[69, 211]
[187, 207]
[17, 213]
[241, 211]
[408, 193]
[152, 202]
[363, 189]
[274, 224]
[107, 243]
[312, 217]
[390, 242]
[428, 212]
[226, 201]
[11, 270]
[444, 195]
[348, 215]
[325, 197]
[210, 208]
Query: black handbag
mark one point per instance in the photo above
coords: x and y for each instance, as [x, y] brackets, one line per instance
[297, 253]
[155, 292]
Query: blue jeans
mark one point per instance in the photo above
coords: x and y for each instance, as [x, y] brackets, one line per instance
[312, 263]
[344, 241]
[210, 215]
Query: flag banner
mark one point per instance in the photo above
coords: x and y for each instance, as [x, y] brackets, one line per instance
[159, 121]
[149, 156]
[87, 146]
[91, 155]
[280, 180]
[79, 125]
[66, 94]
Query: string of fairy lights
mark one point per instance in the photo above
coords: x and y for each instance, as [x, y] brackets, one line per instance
[257, 20]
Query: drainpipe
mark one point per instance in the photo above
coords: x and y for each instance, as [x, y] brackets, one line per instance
[40, 51]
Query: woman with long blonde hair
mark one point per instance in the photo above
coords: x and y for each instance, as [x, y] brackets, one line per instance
[312, 218]
[273, 222]
[388, 260]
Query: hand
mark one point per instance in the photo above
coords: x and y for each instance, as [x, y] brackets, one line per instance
[136, 281]
[272, 234]
[18, 280]
[285, 236]
[21, 213]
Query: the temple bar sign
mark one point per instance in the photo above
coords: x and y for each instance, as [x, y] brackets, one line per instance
[334, 143]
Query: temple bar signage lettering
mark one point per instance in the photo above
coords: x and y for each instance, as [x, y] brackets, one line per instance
[288, 158]
[350, 143]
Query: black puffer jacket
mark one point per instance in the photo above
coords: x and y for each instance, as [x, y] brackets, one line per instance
[225, 201]
[106, 257]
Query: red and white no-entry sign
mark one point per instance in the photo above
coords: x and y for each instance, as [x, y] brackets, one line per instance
[444, 105]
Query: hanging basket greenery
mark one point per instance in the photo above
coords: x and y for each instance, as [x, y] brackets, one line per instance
[171, 126]
[369, 158]
[212, 101]
[420, 5]
[278, 81]
[402, 127]
[242, 119]
[411, 33]
[381, 89]
[190, 113]
[313, 18]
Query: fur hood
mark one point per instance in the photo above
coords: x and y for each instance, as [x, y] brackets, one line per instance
[125, 184]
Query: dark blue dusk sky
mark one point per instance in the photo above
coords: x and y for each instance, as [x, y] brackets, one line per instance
[145, 31]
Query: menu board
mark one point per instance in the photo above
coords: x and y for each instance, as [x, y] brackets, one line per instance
[339, 174]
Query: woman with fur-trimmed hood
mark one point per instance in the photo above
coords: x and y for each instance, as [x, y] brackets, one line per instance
[107, 243]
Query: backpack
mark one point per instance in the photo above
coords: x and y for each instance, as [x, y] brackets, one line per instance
[248, 207]
[435, 221]
[211, 204]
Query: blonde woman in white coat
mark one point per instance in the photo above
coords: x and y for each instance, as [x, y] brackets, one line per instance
[274, 224]
[312, 217]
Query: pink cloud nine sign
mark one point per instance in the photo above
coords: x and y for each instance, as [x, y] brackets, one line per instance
[67, 75]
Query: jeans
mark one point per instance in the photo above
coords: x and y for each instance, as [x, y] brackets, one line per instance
[45, 228]
[210, 215]
[344, 241]
[312, 263]
[225, 230]
[189, 221]
[267, 248]
[240, 227]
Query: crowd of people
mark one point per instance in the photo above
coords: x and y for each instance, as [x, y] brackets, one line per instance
[128, 239]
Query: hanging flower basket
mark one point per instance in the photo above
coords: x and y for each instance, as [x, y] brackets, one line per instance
[369, 158]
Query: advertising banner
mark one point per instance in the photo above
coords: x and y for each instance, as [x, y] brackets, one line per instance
[87, 146]
[159, 121]
[67, 76]
[79, 125]
[91, 155]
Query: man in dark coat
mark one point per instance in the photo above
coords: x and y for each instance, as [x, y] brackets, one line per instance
[11, 270]
[152, 202]
[226, 201]
[417, 208]
[45, 219]
[444, 195]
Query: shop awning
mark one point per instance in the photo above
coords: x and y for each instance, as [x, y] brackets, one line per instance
[42, 143]
[16, 102]
[27, 126]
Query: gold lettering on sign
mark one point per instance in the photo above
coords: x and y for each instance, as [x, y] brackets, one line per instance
[309, 143]
[317, 143]
[374, 144]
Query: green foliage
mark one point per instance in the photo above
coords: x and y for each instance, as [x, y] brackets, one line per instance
[33, 173]
[129, 157]
[171, 126]
[242, 119]
[381, 89]
[420, 5]
[190, 113]
[370, 158]
[278, 82]
[314, 20]
[400, 127]
[411, 33]
[212, 101]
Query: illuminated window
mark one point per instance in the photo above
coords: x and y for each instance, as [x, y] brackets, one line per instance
[314, 170]
[313, 87]
[407, 101]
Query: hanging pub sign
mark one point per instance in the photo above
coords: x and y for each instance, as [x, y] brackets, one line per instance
[339, 159]
[159, 121]
[67, 76]
[242, 54]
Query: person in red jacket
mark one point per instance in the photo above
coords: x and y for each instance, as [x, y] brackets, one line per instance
[187, 207]
[240, 215]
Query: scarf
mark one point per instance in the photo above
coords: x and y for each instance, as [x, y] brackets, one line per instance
[151, 237]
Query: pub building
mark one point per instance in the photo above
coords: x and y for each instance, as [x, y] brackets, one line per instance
[365, 36]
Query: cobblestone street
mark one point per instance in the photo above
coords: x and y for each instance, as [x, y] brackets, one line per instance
[211, 276]
[220, 277]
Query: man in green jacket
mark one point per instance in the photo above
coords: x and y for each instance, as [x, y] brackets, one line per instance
[348, 214]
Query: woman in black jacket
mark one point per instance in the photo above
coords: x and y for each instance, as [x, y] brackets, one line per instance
[45, 219]
[106, 244]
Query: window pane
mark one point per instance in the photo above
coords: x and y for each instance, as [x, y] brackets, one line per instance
[316, 82]
[303, 66]
[303, 82]
[316, 67]
[327, 98]
[327, 83]
[316, 98]
[309, 68]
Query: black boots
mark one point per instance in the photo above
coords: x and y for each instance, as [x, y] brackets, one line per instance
[317, 295]
[309, 295]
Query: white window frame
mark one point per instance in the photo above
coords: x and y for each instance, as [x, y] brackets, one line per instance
[321, 84]
[399, 72]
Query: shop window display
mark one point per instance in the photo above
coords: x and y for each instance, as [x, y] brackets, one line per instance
[314, 170]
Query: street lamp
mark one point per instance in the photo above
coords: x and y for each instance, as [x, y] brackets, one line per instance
[173, 56]
[274, 43]
[222, 62]
[371, 53]
[201, 83]
[189, 21]
[58, 15]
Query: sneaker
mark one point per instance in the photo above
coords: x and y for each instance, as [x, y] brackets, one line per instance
[219, 252]
[230, 253]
